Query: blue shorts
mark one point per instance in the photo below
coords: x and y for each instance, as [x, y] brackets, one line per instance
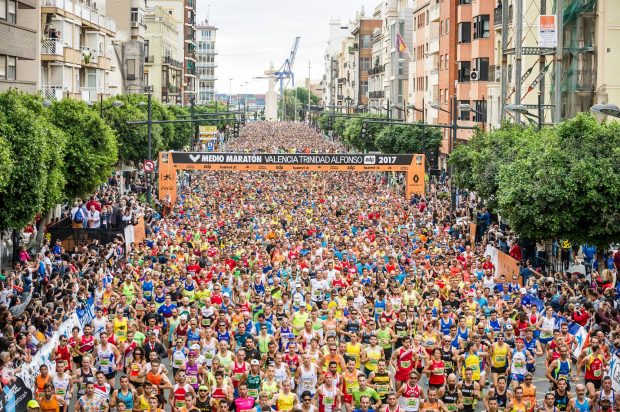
[517, 377]
[544, 341]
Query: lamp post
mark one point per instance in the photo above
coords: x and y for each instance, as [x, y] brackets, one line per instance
[466, 107]
[606, 109]
[415, 109]
[149, 93]
[115, 103]
[229, 94]
[521, 109]
[453, 131]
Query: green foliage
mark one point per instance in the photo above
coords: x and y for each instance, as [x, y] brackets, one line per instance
[559, 183]
[183, 132]
[353, 133]
[408, 139]
[34, 150]
[133, 139]
[6, 161]
[295, 102]
[92, 152]
[340, 124]
[324, 122]
[477, 163]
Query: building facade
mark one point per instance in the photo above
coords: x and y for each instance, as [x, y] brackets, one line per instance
[76, 50]
[363, 29]
[20, 46]
[164, 61]
[338, 31]
[206, 64]
[184, 12]
[130, 47]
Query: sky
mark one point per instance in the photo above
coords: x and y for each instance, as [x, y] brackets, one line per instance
[252, 33]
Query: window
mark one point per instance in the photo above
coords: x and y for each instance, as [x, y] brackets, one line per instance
[11, 68]
[2, 67]
[134, 14]
[464, 32]
[482, 26]
[447, 28]
[12, 16]
[464, 68]
[464, 114]
[146, 48]
[482, 67]
[441, 61]
[481, 108]
[365, 64]
[365, 42]
[461, 2]
[131, 69]
[3, 9]
[364, 88]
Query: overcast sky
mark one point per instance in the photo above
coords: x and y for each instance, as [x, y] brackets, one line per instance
[251, 33]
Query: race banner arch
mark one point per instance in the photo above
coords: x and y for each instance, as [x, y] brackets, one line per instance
[170, 162]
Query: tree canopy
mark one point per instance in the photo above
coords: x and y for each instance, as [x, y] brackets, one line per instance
[408, 139]
[559, 183]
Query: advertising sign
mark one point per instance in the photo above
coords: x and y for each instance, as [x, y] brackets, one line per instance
[547, 31]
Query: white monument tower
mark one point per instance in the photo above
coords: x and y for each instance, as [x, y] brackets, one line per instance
[271, 100]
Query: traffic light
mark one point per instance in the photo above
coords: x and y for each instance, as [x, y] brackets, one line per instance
[432, 158]
[330, 122]
[236, 129]
[364, 130]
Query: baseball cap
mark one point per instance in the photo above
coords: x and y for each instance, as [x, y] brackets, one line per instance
[226, 294]
[33, 404]
[523, 291]
[508, 327]
[203, 388]
[254, 362]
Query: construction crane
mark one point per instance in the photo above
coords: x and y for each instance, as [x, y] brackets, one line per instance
[284, 75]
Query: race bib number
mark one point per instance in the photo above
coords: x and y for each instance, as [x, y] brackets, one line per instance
[328, 400]
[253, 393]
[405, 364]
[413, 403]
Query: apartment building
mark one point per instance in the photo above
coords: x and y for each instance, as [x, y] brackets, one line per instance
[424, 68]
[363, 29]
[376, 73]
[338, 31]
[163, 65]
[345, 75]
[206, 65]
[397, 19]
[19, 47]
[130, 47]
[184, 12]
[76, 49]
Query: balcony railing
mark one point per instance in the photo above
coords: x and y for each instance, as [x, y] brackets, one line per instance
[52, 92]
[52, 46]
[84, 12]
[171, 62]
[376, 94]
[498, 15]
[376, 70]
[90, 94]
[149, 59]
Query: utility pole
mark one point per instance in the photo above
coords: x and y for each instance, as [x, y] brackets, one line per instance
[309, 81]
[559, 55]
[149, 92]
[518, 55]
[192, 102]
[541, 67]
[453, 132]
[229, 94]
[504, 79]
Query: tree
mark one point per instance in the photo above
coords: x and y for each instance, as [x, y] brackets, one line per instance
[565, 184]
[324, 122]
[477, 163]
[34, 148]
[353, 133]
[92, 151]
[408, 139]
[183, 132]
[133, 139]
[340, 125]
[296, 102]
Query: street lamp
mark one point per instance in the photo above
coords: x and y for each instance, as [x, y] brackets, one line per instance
[466, 107]
[229, 94]
[148, 90]
[415, 109]
[521, 109]
[47, 103]
[606, 109]
[115, 103]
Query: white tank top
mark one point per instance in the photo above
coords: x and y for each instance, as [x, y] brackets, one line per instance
[208, 351]
[328, 399]
[281, 373]
[61, 385]
[98, 326]
[105, 360]
[547, 326]
[307, 380]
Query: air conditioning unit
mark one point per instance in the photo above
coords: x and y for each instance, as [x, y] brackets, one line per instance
[135, 24]
[473, 76]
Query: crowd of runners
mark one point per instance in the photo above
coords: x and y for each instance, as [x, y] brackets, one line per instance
[322, 292]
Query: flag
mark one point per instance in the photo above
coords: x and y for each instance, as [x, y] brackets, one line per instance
[402, 46]
[582, 338]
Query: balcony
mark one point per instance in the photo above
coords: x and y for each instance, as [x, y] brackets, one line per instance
[433, 45]
[52, 92]
[171, 89]
[149, 59]
[203, 76]
[171, 62]
[52, 47]
[376, 94]
[378, 69]
[88, 15]
[90, 94]
[498, 15]
[433, 14]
